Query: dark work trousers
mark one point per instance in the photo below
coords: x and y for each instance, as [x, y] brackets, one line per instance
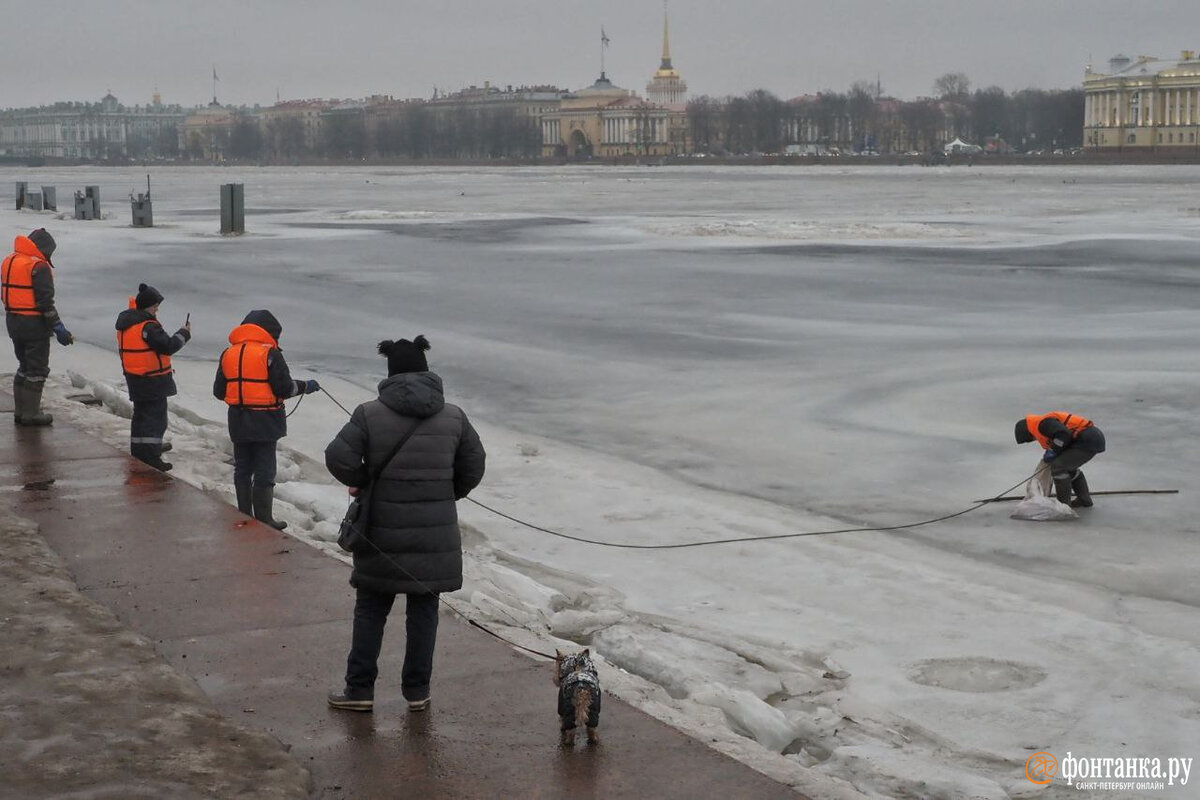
[254, 463]
[1087, 444]
[146, 429]
[371, 611]
[33, 359]
[1068, 462]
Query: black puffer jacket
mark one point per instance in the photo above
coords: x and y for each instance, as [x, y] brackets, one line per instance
[152, 387]
[413, 517]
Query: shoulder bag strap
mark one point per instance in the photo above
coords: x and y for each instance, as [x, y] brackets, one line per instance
[395, 450]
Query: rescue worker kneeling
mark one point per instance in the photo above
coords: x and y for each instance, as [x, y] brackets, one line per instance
[253, 379]
[146, 352]
[1070, 441]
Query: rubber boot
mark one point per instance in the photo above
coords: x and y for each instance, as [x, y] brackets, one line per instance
[18, 398]
[264, 500]
[245, 500]
[1062, 489]
[1083, 497]
[149, 454]
[32, 413]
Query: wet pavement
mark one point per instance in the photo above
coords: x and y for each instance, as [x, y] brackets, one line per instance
[208, 642]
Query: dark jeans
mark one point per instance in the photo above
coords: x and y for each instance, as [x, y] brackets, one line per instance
[254, 463]
[371, 611]
[146, 429]
[33, 359]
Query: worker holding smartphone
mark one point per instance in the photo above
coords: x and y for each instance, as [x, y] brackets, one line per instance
[146, 351]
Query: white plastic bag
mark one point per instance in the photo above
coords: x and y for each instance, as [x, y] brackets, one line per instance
[1037, 506]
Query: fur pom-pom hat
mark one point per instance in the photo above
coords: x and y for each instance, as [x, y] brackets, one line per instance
[405, 356]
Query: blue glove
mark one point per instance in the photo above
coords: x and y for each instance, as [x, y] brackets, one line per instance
[62, 334]
[1049, 456]
[311, 386]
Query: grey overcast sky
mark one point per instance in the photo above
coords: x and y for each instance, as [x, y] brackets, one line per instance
[404, 48]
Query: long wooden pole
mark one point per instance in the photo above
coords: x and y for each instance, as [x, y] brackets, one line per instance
[1126, 491]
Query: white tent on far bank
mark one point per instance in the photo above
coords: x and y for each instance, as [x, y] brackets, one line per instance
[959, 146]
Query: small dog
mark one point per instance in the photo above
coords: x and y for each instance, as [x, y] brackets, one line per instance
[578, 685]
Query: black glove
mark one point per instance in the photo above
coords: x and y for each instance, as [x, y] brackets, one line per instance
[311, 386]
[1049, 455]
[62, 334]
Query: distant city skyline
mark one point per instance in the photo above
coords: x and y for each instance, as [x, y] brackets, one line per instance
[262, 49]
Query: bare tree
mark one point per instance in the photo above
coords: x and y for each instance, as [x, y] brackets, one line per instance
[861, 110]
[952, 85]
[702, 114]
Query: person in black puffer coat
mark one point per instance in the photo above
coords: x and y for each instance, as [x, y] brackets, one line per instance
[414, 544]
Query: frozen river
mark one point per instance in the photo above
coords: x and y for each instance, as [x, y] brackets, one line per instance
[666, 355]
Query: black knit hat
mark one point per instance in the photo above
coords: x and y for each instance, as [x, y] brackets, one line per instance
[147, 296]
[405, 356]
[44, 242]
[1022, 433]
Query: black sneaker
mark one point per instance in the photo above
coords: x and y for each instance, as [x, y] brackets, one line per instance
[352, 700]
[417, 706]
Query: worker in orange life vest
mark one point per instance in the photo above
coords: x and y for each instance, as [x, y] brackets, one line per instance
[1070, 441]
[146, 351]
[27, 287]
[253, 379]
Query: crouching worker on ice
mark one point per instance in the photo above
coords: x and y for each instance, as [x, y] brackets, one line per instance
[423, 456]
[1070, 441]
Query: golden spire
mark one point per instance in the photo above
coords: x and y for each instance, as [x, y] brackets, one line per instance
[666, 59]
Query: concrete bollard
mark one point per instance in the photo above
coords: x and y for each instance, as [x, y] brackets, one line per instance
[143, 213]
[233, 208]
[22, 187]
[94, 193]
[50, 198]
[87, 203]
[33, 201]
[83, 206]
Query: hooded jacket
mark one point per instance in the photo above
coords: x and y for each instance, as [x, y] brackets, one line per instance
[413, 518]
[22, 322]
[150, 387]
[248, 424]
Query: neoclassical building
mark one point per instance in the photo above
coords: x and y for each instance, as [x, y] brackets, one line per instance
[607, 121]
[1143, 103]
[102, 130]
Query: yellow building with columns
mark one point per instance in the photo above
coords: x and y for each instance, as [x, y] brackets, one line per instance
[607, 121]
[1142, 104]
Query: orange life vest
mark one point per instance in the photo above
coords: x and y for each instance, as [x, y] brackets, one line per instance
[1075, 424]
[17, 283]
[137, 357]
[244, 364]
